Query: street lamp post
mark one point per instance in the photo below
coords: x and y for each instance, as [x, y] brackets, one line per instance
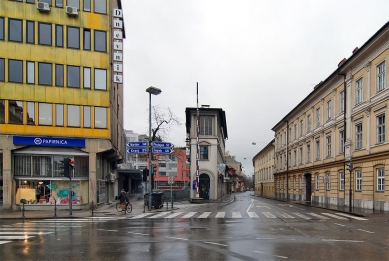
[154, 91]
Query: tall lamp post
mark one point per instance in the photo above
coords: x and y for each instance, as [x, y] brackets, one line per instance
[154, 91]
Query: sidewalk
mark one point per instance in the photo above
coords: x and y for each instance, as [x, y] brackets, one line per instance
[103, 210]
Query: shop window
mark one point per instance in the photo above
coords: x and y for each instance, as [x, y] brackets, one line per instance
[87, 79]
[45, 74]
[15, 30]
[15, 112]
[73, 79]
[59, 114]
[59, 35]
[31, 113]
[2, 70]
[73, 116]
[2, 114]
[87, 39]
[87, 116]
[44, 34]
[58, 75]
[87, 5]
[100, 41]
[30, 76]
[45, 114]
[73, 37]
[1, 28]
[100, 117]
[100, 6]
[100, 79]
[30, 32]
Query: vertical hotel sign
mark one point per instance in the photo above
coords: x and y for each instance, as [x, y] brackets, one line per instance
[118, 45]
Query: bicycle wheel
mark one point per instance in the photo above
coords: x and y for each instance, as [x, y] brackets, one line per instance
[129, 208]
[118, 207]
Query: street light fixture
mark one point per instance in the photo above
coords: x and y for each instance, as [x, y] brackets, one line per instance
[154, 91]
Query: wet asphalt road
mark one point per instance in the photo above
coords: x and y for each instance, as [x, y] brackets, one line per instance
[250, 228]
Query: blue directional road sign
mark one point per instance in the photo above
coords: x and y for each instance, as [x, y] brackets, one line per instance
[137, 150]
[137, 144]
[158, 144]
[161, 151]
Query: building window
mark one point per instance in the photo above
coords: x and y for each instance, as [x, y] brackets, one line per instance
[205, 125]
[58, 3]
[294, 182]
[15, 29]
[100, 6]
[341, 181]
[380, 179]
[204, 152]
[328, 184]
[359, 91]
[100, 117]
[15, 112]
[295, 158]
[73, 3]
[308, 153]
[100, 79]
[73, 116]
[301, 155]
[15, 71]
[45, 114]
[329, 110]
[317, 182]
[87, 116]
[59, 75]
[328, 138]
[301, 128]
[73, 37]
[73, 79]
[87, 39]
[30, 113]
[59, 114]
[1, 28]
[308, 123]
[317, 117]
[45, 74]
[46, 1]
[30, 32]
[86, 5]
[381, 128]
[2, 116]
[358, 136]
[30, 1]
[295, 131]
[381, 81]
[100, 41]
[341, 101]
[317, 150]
[44, 34]
[86, 78]
[341, 141]
[2, 70]
[59, 35]
[358, 180]
[301, 183]
[30, 76]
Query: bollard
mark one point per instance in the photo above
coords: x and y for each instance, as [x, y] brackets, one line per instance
[55, 208]
[172, 203]
[23, 210]
[92, 208]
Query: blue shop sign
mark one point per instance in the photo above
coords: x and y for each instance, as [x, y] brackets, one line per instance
[48, 141]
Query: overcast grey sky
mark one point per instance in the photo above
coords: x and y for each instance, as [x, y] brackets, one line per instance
[254, 59]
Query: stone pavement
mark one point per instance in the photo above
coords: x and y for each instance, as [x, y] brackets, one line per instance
[103, 210]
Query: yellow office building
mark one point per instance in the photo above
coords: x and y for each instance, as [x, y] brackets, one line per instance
[61, 96]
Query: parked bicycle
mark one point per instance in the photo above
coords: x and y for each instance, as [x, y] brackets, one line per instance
[127, 209]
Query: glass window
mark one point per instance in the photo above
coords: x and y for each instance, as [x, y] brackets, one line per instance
[206, 125]
[381, 129]
[100, 41]
[358, 136]
[317, 150]
[45, 114]
[203, 152]
[30, 32]
[15, 71]
[381, 179]
[358, 91]
[87, 116]
[73, 116]
[58, 3]
[341, 141]
[329, 182]
[329, 110]
[2, 117]
[73, 37]
[381, 76]
[58, 75]
[15, 29]
[328, 146]
[100, 117]
[87, 39]
[30, 72]
[301, 128]
[1, 28]
[73, 76]
[58, 35]
[87, 5]
[73, 3]
[100, 79]
[30, 1]
[341, 101]
[358, 180]
[317, 182]
[341, 181]
[44, 34]
[31, 113]
[2, 70]
[308, 153]
[45, 74]
[301, 155]
[59, 114]
[295, 131]
[100, 6]
[309, 123]
[317, 117]
[87, 78]
[46, 1]
[15, 112]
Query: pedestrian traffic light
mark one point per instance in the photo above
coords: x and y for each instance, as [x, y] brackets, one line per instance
[64, 167]
[145, 174]
[350, 166]
[71, 163]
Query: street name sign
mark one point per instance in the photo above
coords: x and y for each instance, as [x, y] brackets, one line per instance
[137, 144]
[137, 150]
[158, 144]
[161, 151]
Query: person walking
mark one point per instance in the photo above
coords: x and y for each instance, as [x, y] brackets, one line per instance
[123, 199]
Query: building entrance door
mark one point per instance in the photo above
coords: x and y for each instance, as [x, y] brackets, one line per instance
[308, 187]
[204, 185]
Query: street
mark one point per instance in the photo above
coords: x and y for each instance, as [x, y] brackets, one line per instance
[250, 228]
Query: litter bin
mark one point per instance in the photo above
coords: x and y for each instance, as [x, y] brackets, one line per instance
[157, 199]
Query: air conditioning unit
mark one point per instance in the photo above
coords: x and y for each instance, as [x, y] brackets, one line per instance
[44, 7]
[70, 10]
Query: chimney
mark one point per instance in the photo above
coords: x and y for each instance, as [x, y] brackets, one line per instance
[355, 50]
[342, 62]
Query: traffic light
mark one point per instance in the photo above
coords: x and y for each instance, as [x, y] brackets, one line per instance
[145, 174]
[350, 166]
[71, 163]
[64, 167]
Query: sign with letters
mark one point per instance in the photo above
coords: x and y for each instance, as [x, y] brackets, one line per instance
[48, 141]
[118, 45]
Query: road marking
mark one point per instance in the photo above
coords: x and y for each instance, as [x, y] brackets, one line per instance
[25, 233]
[339, 224]
[285, 257]
[15, 237]
[334, 216]
[4, 242]
[269, 215]
[174, 215]
[220, 215]
[285, 215]
[340, 240]
[301, 215]
[205, 215]
[23, 229]
[138, 233]
[365, 231]
[178, 238]
[236, 215]
[350, 216]
[189, 215]
[268, 238]
[142, 215]
[252, 215]
[69, 221]
[159, 215]
[212, 243]
[109, 230]
[318, 216]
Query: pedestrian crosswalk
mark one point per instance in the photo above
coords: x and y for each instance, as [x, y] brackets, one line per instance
[253, 215]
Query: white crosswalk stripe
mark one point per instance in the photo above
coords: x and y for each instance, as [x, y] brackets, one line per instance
[269, 215]
[285, 215]
[252, 215]
[159, 215]
[350, 216]
[205, 215]
[301, 215]
[236, 215]
[318, 216]
[189, 215]
[220, 215]
[334, 216]
[174, 215]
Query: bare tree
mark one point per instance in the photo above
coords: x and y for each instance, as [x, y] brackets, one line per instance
[163, 120]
